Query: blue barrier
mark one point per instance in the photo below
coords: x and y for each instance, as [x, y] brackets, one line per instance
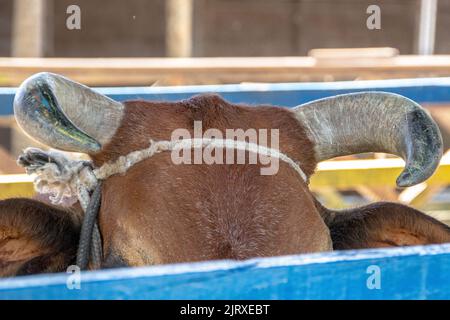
[404, 273]
[427, 90]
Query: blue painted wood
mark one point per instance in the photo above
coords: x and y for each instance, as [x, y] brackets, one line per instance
[430, 90]
[406, 273]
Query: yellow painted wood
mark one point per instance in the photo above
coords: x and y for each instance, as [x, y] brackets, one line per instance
[16, 185]
[15, 190]
[369, 173]
[341, 175]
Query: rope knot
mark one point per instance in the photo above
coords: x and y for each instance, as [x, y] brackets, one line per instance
[57, 175]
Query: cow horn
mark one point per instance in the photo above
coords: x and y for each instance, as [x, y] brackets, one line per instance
[64, 114]
[374, 122]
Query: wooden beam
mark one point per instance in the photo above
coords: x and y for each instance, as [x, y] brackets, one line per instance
[29, 28]
[349, 174]
[16, 185]
[370, 173]
[353, 53]
[179, 28]
[427, 27]
[169, 71]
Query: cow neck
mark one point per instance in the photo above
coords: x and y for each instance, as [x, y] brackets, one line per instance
[63, 178]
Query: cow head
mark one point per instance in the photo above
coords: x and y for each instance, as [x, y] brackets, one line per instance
[159, 212]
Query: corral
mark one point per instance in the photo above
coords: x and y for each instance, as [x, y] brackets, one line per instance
[338, 112]
[420, 272]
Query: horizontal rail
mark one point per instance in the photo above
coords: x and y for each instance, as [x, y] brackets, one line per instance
[402, 273]
[175, 71]
[426, 90]
[346, 174]
[371, 173]
[16, 185]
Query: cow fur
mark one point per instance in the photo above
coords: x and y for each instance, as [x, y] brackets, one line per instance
[384, 224]
[178, 213]
[36, 237]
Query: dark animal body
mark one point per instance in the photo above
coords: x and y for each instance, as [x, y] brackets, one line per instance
[159, 212]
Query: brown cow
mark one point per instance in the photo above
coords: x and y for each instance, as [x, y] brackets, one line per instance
[159, 212]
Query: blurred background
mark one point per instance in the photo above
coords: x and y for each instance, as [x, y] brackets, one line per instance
[192, 42]
[216, 28]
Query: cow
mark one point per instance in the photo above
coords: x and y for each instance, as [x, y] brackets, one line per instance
[158, 212]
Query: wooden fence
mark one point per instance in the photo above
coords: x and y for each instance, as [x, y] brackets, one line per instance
[191, 71]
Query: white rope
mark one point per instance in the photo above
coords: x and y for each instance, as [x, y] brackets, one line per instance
[64, 178]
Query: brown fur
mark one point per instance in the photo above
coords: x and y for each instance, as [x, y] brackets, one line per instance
[175, 213]
[35, 237]
[385, 224]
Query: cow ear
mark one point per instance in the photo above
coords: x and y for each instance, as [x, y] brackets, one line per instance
[385, 225]
[35, 237]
